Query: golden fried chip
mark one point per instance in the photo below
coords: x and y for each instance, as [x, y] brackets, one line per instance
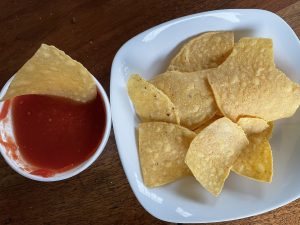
[248, 84]
[213, 152]
[205, 51]
[150, 103]
[219, 113]
[256, 161]
[199, 129]
[191, 95]
[52, 72]
[252, 125]
[162, 150]
[268, 132]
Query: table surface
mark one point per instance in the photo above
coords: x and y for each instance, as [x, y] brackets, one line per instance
[92, 32]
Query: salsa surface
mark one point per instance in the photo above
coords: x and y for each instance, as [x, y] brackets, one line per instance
[56, 133]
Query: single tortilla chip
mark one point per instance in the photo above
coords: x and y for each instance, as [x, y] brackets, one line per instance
[51, 72]
[269, 130]
[213, 152]
[202, 52]
[150, 103]
[191, 95]
[256, 161]
[162, 150]
[252, 125]
[248, 83]
[199, 129]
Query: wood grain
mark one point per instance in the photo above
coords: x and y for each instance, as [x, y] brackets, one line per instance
[92, 32]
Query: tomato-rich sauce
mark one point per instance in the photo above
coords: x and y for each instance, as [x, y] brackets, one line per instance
[56, 133]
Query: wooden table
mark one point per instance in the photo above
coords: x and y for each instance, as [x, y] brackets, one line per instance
[92, 32]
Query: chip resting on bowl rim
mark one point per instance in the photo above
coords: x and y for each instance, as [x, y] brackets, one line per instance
[51, 72]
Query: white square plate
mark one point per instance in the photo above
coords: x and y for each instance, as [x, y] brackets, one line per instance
[186, 201]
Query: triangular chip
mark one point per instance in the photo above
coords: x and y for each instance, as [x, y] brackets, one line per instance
[51, 72]
[205, 51]
[213, 152]
[150, 103]
[256, 161]
[162, 150]
[252, 125]
[199, 129]
[248, 84]
[191, 95]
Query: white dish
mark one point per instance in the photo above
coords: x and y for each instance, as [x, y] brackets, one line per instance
[19, 166]
[185, 201]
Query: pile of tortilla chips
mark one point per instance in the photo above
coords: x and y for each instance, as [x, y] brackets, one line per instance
[212, 112]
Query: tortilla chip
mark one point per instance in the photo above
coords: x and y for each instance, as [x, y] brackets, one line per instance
[205, 51]
[248, 84]
[191, 95]
[213, 152]
[162, 150]
[150, 103]
[219, 113]
[256, 161]
[51, 72]
[199, 129]
[252, 125]
[268, 132]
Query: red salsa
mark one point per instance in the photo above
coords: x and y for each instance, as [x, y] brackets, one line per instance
[56, 133]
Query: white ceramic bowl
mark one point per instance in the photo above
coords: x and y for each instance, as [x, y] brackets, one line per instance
[19, 165]
[186, 201]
